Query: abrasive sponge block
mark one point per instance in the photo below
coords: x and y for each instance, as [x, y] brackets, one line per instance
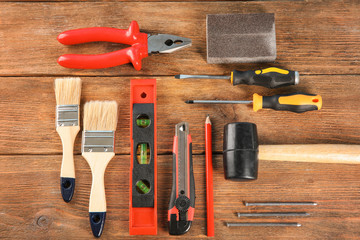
[241, 38]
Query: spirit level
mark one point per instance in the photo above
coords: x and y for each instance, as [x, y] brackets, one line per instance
[143, 181]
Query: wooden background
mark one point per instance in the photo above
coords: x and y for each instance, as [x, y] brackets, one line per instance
[320, 39]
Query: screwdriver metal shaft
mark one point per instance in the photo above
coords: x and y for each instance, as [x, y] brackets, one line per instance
[274, 214]
[218, 101]
[183, 76]
[263, 224]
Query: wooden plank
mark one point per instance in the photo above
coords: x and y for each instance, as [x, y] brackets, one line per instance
[312, 37]
[134, 0]
[43, 213]
[27, 116]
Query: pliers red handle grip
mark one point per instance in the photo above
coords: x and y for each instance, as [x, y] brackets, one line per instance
[142, 45]
[131, 36]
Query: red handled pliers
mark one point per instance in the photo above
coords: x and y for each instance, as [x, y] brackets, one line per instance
[142, 45]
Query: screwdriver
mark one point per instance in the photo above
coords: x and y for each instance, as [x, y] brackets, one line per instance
[271, 77]
[294, 102]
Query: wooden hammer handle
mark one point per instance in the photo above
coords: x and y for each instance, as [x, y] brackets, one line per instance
[320, 153]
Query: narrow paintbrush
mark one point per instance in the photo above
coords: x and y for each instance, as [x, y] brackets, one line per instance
[98, 140]
[67, 91]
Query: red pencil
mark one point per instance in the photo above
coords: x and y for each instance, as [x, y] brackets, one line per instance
[209, 179]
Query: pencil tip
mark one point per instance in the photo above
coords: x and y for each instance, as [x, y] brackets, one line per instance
[189, 101]
[207, 121]
[177, 76]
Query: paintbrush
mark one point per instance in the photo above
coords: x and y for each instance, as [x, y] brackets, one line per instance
[98, 140]
[67, 91]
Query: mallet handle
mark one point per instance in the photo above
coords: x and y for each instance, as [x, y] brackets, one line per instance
[320, 153]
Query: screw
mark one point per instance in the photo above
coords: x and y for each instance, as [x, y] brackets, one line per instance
[273, 214]
[279, 203]
[263, 224]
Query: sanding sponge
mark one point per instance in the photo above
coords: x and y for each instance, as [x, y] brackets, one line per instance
[241, 38]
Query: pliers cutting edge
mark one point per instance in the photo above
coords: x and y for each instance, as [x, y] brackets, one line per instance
[142, 45]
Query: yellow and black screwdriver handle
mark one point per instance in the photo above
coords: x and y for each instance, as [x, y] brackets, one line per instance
[294, 102]
[269, 77]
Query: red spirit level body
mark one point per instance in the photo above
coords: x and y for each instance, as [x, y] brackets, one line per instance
[143, 166]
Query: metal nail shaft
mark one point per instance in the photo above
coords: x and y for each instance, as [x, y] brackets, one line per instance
[279, 203]
[263, 224]
[274, 214]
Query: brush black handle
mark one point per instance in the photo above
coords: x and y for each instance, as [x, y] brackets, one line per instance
[97, 222]
[269, 77]
[67, 186]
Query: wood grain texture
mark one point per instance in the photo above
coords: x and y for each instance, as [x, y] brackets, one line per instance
[45, 215]
[312, 37]
[320, 39]
[133, 0]
[27, 119]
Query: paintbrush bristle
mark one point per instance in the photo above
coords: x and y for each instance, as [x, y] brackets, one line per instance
[100, 116]
[68, 91]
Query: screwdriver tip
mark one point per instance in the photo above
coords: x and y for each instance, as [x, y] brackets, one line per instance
[177, 76]
[189, 101]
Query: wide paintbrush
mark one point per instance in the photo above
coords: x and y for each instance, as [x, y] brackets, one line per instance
[98, 140]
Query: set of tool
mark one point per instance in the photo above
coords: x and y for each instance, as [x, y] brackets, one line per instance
[270, 78]
[241, 151]
[100, 124]
[98, 143]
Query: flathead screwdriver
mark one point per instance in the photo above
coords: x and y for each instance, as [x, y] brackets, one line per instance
[269, 77]
[295, 102]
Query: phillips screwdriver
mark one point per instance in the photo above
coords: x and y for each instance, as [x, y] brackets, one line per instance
[295, 102]
[269, 77]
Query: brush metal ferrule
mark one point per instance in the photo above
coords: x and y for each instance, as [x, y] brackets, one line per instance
[98, 141]
[67, 115]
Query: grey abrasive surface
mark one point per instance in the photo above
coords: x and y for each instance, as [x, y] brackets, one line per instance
[241, 38]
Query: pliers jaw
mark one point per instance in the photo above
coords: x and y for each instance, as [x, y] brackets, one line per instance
[166, 43]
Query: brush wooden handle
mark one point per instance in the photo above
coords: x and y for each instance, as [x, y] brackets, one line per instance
[98, 162]
[67, 173]
[320, 153]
